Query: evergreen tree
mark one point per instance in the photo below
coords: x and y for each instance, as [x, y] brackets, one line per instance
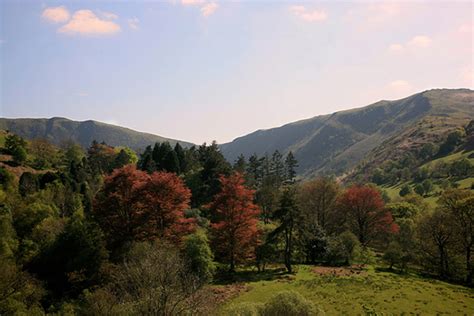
[146, 162]
[290, 165]
[240, 164]
[180, 154]
[277, 168]
[171, 162]
[287, 217]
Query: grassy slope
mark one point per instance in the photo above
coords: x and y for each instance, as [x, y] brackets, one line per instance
[380, 292]
[393, 191]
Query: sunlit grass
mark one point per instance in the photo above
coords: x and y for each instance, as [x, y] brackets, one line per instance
[376, 291]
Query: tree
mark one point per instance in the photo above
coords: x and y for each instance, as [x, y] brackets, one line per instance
[199, 254]
[287, 216]
[460, 205]
[365, 213]
[45, 155]
[124, 157]
[419, 189]
[133, 205]
[101, 157]
[163, 198]
[277, 167]
[153, 280]
[234, 221]
[290, 166]
[16, 146]
[317, 199]
[181, 156]
[240, 164]
[427, 186]
[405, 190]
[435, 237]
[146, 161]
[28, 183]
[393, 254]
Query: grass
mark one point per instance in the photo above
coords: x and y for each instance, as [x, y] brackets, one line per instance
[376, 292]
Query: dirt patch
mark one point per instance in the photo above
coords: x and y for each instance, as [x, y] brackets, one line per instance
[340, 271]
[224, 293]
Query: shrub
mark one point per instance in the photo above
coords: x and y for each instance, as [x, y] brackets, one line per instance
[289, 303]
[405, 190]
[244, 309]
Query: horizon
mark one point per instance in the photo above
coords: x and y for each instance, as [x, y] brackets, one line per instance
[260, 129]
[252, 63]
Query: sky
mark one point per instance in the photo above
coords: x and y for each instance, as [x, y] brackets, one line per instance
[200, 70]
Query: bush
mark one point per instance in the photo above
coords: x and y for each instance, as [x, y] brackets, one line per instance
[289, 303]
[405, 190]
[245, 309]
[200, 256]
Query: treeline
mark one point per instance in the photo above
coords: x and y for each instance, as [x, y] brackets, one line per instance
[103, 231]
[410, 166]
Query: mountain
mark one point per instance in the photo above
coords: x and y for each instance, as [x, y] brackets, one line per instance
[338, 142]
[58, 130]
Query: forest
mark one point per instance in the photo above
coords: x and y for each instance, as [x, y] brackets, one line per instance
[108, 231]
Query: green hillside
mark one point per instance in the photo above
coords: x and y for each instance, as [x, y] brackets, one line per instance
[339, 142]
[58, 130]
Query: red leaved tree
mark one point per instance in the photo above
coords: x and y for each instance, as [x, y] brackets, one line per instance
[133, 205]
[164, 199]
[363, 211]
[234, 221]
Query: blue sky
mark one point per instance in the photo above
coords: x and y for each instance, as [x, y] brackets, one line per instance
[203, 70]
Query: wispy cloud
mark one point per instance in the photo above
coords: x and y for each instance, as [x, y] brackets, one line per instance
[206, 8]
[417, 42]
[82, 94]
[209, 9]
[85, 22]
[308, 15]
[56, 14]
[193, 2]
[133, 23]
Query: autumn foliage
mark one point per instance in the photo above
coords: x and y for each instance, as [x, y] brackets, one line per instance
[134, 205]
[234, 221]
[363, 211]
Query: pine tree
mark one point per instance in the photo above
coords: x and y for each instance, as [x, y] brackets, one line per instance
[180, 154]
[290, 165]
[240, 164]
[277, 167]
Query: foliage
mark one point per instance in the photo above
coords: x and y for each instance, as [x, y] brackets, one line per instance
[234, 221]
[200, 256]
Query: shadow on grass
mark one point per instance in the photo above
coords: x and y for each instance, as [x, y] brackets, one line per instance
[224, 277]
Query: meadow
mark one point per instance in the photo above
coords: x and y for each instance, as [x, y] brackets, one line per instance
[372, 291]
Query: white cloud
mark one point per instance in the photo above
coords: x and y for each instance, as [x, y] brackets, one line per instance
[85, 22]
[417, 42]
[56, 14]
[209, 9]
[420, 41]
[192, 2]
[396, 48]
[133, 23]
[308, 15]
[109, 15]
[380, 12]
[82, 94]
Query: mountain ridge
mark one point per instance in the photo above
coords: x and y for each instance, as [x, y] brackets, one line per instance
[59, 129]
[337, 142]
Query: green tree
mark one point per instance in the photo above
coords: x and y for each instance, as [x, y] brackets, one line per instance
[16, 146]
[287, 216]
[199, 254]
[290, 167]
[405, 190]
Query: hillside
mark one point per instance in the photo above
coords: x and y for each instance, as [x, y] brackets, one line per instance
[338, 142]
[58, 130]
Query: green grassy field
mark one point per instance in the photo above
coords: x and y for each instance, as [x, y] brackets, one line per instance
[369, 293]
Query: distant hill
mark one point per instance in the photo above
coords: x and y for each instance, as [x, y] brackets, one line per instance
[338, 142]
[58, 130]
